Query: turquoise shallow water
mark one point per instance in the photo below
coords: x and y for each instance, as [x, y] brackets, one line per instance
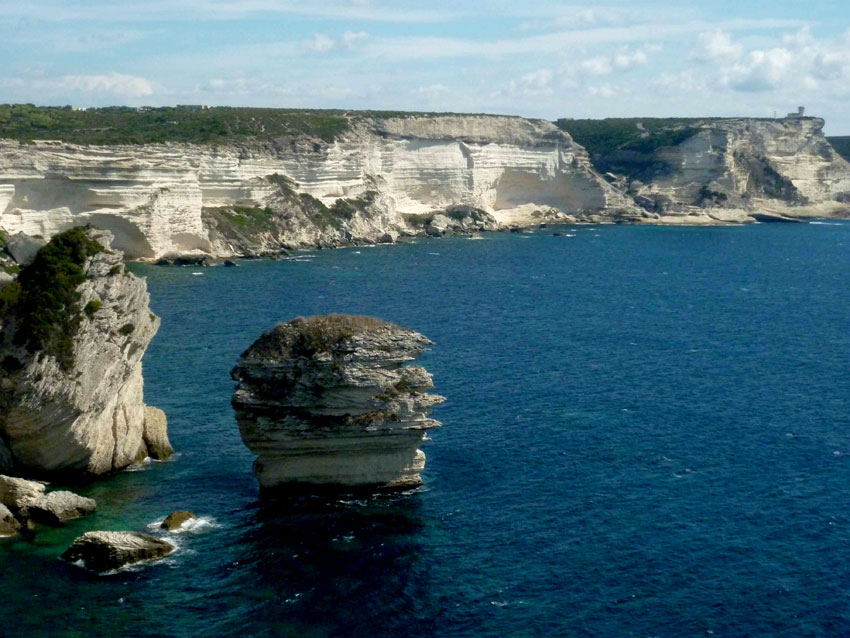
[646, 434]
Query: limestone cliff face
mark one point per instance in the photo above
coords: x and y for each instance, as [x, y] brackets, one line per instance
[175, 198]
[739, 169]
[327, 404]
[80, 408]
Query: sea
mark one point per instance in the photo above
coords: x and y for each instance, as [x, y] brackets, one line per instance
[646, 433]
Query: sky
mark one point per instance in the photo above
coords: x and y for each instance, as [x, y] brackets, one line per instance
[641, 58]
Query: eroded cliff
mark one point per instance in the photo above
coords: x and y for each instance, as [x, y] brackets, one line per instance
[160, 199]
[365, 178]
[327, 404]
[75, 325]
[721, 170]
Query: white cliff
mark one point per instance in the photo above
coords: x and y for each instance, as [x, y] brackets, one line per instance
[155, 199]
[71, 396]
[244, 197]
[744, 169]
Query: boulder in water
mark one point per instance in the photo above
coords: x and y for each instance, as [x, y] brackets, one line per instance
[175, 520]
[104, 551]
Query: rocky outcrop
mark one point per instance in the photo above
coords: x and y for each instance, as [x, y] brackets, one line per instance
[27, 502]
[9, 525]
[18, 493]
[247, 198]
[58, 507]
[175, 520]
[327, 404]
[155, 434]
[105, 551]
[23, 248]
[74, 329]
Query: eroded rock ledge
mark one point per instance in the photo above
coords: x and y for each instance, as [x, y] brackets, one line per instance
[327, 404]
[73, 328]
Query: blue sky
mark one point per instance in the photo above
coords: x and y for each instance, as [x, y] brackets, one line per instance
[538, 59]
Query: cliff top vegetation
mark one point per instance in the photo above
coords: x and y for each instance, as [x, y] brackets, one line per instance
[44, 298]
[304, 337]
[841, 145]
[189, 124]
[146, 125]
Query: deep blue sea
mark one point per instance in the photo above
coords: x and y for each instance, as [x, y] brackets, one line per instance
[646, 433]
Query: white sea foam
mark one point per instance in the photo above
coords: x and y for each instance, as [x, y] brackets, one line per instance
[197, 273]
[192, 526]
[141, 466]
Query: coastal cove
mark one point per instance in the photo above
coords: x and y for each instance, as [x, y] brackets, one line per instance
[646, 432]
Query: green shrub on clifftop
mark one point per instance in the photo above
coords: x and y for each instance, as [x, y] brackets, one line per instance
[44, 299]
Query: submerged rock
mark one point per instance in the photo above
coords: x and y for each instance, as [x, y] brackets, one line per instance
[103, 551]
[176, 519]
[327, 404]
[71, 398]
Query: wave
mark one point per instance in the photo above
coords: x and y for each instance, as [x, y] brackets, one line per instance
[192, 526]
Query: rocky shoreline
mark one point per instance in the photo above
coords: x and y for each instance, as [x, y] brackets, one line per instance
[384, 179]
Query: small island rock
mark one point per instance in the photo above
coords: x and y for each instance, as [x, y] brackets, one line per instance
[103, 551]
[176, 519]
[327, 404]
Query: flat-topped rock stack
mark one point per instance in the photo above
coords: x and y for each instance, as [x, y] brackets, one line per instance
[327, 404]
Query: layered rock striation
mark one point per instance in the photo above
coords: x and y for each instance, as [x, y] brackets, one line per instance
[106, 551]
[74, 326]
[327, 403]
[724, 170]
[377, 178]
[256, 197]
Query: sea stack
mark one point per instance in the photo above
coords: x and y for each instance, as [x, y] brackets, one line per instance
[327, 404]
[74, 325]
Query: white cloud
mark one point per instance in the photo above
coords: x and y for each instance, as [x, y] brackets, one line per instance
[319, 43]
[624, 60]
[539, 80]
[759, 70]
[116, 84]
[353, 38]
[600, 65]
[83, 88]
[432, 91]
[717, 45]
[602, 90]
[797, 62]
